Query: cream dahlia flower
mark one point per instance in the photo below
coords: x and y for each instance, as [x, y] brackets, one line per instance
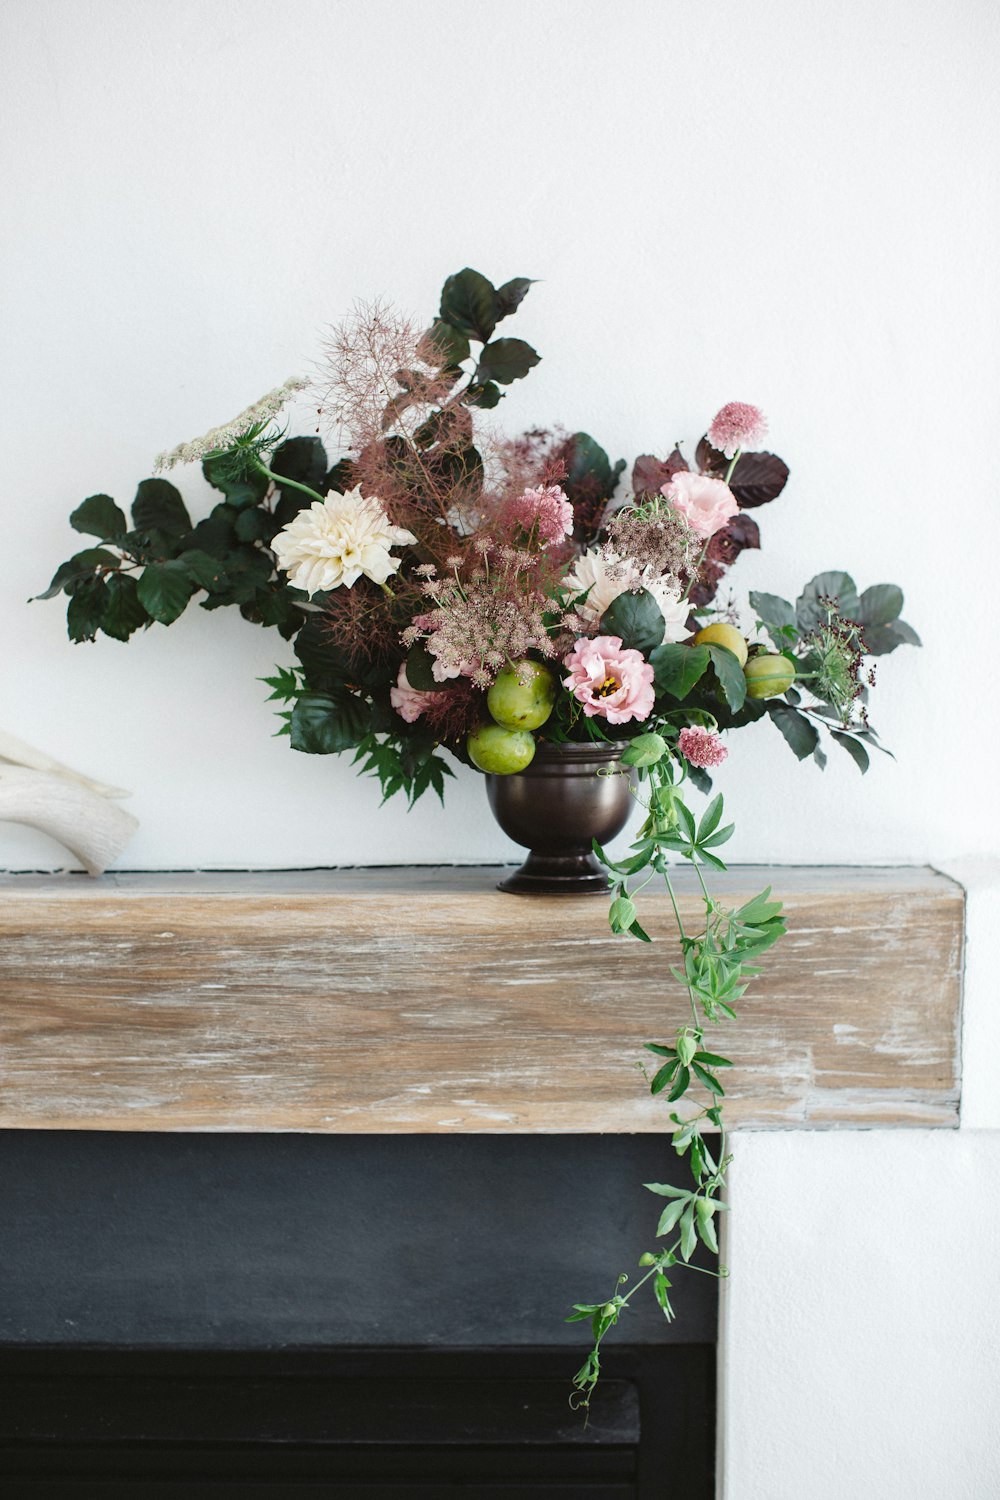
[606, 576]
[334, 541]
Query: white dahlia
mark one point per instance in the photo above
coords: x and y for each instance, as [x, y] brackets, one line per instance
[606, 576]
[334, 541]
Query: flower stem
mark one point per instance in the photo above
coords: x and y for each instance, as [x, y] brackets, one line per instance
[283, 482]
[732, 464]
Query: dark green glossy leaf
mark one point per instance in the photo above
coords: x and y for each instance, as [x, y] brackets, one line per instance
[322, 725]
[484, 396]
[164, 590]
[85, 610]
[678, 668]
[124, 613]
[98, 515]
[468, 303]
[730, 675]
[449, 344]
[799, 733]
[81, 566]
[420, 669]
[636, 618]
[506, 360]
[158, 507]
[510, 296]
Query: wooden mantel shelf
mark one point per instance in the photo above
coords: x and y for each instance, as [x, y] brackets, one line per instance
[424, 1000]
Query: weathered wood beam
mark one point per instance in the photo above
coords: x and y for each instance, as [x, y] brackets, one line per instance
[424, 1000]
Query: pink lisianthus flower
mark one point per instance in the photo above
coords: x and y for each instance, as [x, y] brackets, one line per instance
[701, 747]
[546, 508]
[706, 504]
[611, 682]
[408, 702]
[738, 427]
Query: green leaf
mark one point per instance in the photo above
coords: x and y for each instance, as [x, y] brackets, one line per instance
[679, 668]
[207, 571]
[98, 515]
[661, 1287]
[705, 1209]
[713, 1060]
[86, 610]
[881, 604]
[777, 616]
[253, 524]
[710, 818]
[840, 587]
[670, 1215]
[124, 613]
[484, 396]
[81, 566]
[854, 748]
[663, 1076]
[249, 490]
[636, 618]
[681, 1085]
[506, 360]
[666, 1190]
[645, 750]
[799, 733]
[450, 345]
[689, 1238]
[879, 640]
[323, 725]
[730, 675]
[589, 471]
[420, 669]
[510, 296]
[468, 303]
[622, 914]
[158, 507]
[164, 590]
[708, 1079]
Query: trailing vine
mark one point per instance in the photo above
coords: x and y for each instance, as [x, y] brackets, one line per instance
[717, 963]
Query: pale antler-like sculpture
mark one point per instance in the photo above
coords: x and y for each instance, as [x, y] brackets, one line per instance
[71, 808]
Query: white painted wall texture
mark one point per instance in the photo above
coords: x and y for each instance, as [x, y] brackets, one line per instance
[784, 202]
[777, 201]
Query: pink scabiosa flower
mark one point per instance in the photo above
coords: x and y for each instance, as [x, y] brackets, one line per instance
[611, 682]
[408, 702]
[706, 504]
[738, 427]
[545, 508]
[701, 747]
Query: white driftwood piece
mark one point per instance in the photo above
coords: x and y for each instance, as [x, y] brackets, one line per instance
[21, 754]
[94, 829]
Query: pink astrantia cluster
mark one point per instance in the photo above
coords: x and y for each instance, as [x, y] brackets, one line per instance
[544, 512]
[706, 504]
[701, 747]
[738, 427]
[610, 681]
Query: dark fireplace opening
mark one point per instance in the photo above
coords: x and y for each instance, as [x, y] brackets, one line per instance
[359, 1317]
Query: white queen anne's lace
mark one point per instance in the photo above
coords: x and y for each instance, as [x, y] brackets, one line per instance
[333, 541]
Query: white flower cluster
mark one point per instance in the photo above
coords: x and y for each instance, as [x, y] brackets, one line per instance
[220, 438]
[333, 541]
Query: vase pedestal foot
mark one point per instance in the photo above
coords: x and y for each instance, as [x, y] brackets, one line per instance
[557, 875]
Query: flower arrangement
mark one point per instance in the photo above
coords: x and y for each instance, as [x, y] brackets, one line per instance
[451, 593]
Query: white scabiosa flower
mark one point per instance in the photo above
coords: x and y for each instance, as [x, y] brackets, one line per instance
[334, 541]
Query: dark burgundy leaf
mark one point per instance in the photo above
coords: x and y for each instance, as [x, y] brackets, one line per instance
[650, 473]
[727, 544]
[757, 478]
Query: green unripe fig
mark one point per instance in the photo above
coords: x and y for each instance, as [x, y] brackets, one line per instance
[523, 695]
[768, 676]
[721, 634]
[499, 751]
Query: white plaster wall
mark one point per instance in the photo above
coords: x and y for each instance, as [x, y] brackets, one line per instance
[777, 201]
[861, 1334]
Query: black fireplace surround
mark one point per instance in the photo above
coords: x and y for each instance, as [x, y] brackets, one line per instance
[341, 1318]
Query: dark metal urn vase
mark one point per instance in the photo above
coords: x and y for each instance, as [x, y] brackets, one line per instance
[568, 796]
